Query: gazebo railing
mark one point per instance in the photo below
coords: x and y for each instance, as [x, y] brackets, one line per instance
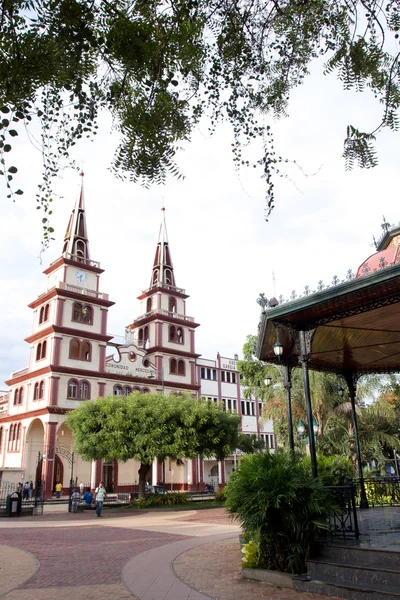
[380, 491]
[342, 521]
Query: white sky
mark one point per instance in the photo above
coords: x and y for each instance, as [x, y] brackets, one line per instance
[223, 251]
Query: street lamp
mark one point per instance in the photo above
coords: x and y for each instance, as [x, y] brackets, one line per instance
[340, 391]
[300, 428]
[315, 427]
[267, 381]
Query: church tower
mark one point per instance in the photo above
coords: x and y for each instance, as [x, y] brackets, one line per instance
[163, 328]
[67, 347]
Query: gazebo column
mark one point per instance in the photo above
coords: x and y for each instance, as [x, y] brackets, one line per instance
[287, 382]
[351, 381]
[304, 357]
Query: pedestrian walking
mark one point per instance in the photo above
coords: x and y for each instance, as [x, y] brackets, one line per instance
[100, 497]
[58, 489]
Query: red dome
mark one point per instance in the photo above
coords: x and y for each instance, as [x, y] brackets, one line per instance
[379, 261]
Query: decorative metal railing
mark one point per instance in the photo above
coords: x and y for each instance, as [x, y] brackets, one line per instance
[342, 521]
[168, 313]
[83, 261]
[380, 491]
[166, 286]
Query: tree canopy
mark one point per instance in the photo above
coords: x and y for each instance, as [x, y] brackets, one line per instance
[148, 426]
[158, 67]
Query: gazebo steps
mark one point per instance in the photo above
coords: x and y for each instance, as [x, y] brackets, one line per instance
[352, 573]
[349, 591]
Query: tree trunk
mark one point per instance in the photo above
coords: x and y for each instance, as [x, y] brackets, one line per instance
[143, 472]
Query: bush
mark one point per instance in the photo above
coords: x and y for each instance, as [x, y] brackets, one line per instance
[277, 496]
[169, 499]
[333, 470]
[220, 494]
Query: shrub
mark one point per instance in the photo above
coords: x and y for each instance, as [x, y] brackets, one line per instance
[333, 470]
[220, 494]
[251, 554]
[169, 499]
[277, 496]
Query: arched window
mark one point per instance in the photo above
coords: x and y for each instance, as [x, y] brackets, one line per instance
[10, 437]
[155, 276]
[145, 391]
[172, 366]
[172, 333]
[181, 367]
[127, 390]
[84, 390]
[46, 312]
[38, 351]
[41, 315]
[44, 349]
[74, 349]
[15, 397]
[36, 391]
[86, 351]
[80, 350]
[146, 334]
[149, 304]
[77, 312]
[171, 304]
[18, 438]
[175, 334]
[41, 389]
[214, 471]
[140, 337]
[87, 315]
[118, 390]
[72, 391]
[21, 395]
[1, 438]
[136, 389]
[179, 335]
[168, 277]
[80, 249]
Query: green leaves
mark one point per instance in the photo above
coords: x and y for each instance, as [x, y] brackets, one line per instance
[159, 68]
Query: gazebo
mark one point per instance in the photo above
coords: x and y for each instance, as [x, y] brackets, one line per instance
[350, 328]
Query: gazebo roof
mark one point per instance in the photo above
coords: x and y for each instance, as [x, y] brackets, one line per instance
[355, 324]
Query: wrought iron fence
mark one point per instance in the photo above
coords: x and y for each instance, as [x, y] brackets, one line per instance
[342, 521]
[380, 491]
[30, 497]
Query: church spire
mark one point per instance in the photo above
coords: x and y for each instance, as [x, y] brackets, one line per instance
[163, 270]
[76, 241]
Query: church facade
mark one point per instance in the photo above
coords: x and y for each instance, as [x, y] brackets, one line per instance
[72, 359]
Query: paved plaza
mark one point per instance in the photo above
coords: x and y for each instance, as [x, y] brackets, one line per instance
[169, 555]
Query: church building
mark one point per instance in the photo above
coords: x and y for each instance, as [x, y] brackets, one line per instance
[72, 359]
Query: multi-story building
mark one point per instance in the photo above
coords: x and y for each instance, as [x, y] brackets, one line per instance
[72, 359]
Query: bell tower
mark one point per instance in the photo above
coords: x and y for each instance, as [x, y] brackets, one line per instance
[163, 328]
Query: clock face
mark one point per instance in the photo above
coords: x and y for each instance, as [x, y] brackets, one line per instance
[81, 276]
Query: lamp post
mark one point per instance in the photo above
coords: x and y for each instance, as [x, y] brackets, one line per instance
[152, 376]
[287, 384]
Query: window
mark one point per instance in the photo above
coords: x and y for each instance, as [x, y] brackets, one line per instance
[168, 277]
[233, 377]
[268, 439]
[247, 408]
[149, 304]
[84, 389]
[136, 389]
[171, 304]
[228, 377]
[132, 356]
[41, 350]
[145, 391]
[155, 276]
[1, 438]
[82, 313]
[127, 390]
[80, 350]
[72, 392]
[15, 397]
[202, 373]
[118, 390]
[222, 375]
[140, 337]
[46, 312]
[18, 396]
[36, 391]
[173, 366]
[181, 367]
[208, 373]
[41, 389]
[41, 315]
[214, 373]
[14, 437]
[176, 334]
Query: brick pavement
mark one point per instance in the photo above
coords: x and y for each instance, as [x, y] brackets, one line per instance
[16, 566]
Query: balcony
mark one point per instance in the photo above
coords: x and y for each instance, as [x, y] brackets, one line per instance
[76, 290]
[166, 313]
[83, 261]
[164, 286]
[4, 397]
